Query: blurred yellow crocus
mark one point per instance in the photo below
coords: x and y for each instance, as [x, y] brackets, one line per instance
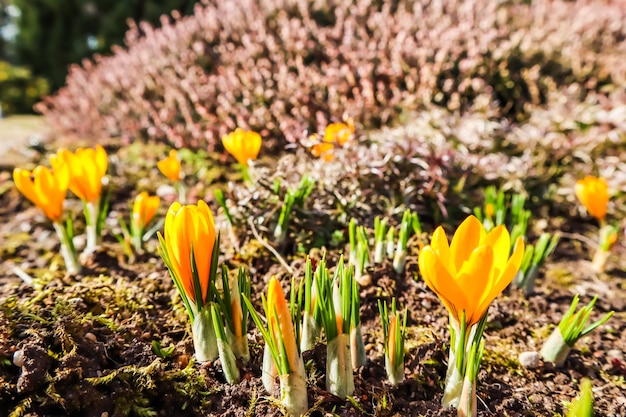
[144, 209]
[335, 134]
[170, 166]
[44, 188]
[190, 229]
[87, 167]
[338, 133]
[468, 274]
[243, 145]
[323, 150]
[593, 193]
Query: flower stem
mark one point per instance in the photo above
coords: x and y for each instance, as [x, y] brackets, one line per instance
[204, 339]
[72, 265]
[339, 377]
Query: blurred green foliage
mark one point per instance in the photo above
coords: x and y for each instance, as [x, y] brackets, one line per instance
[56, 33]
[19, 89]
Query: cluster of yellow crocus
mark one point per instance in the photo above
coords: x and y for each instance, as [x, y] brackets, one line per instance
[335, 134]
[467, 275]
[87, 166]
[82, 172]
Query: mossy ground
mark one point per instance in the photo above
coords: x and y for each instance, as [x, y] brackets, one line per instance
[88, 340]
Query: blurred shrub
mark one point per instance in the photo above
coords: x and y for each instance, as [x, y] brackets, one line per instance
[55, 33]
[19, 90]
[285, 66]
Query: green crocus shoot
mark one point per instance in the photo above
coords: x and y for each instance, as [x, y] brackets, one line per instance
[380, 230]
[234, 312]
[582, 406]
[468, 402]
[295, 197]
[353, 244]
[394, 332]
[534, 257]
[410, 225]
[357, 346]
[225, 351]
[313, 284]
[336, 317]
[280, 341]
[572, 327]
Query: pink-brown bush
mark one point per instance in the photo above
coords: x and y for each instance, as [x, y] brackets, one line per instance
[283, 67]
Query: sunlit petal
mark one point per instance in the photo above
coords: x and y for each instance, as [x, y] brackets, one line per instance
[466, 238]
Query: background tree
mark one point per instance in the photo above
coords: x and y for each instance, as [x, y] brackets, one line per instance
[56, 33]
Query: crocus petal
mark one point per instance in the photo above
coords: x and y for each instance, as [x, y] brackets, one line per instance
[499, 283]
[279, 315]
[439, 243]
[500, 241]
[474, 278]
[441, 282]
[466, 238]
[24, 184]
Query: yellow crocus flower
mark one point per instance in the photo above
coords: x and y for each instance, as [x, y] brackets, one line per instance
[87, 167]
[338, 133]
[475, 268]
[243, 145]
[593, 193]
[44, 188]
[190, 228]
[170, 166]
[279, 316]
[144, 209]
[324, 150]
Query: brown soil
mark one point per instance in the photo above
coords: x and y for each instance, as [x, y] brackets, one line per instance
[87, 340]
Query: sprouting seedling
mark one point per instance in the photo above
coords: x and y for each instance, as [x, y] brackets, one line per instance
[336, 317]
[219, 197]
[293, 198]
[571, 328]
[394, 333]
[282, 349]
[380, 233]
[234, 311]
[362, 252]
[310, 292]
[357, 346]
[224, 348]
[534, 257]
[409, 226]
[582, 406]
[353, 242]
